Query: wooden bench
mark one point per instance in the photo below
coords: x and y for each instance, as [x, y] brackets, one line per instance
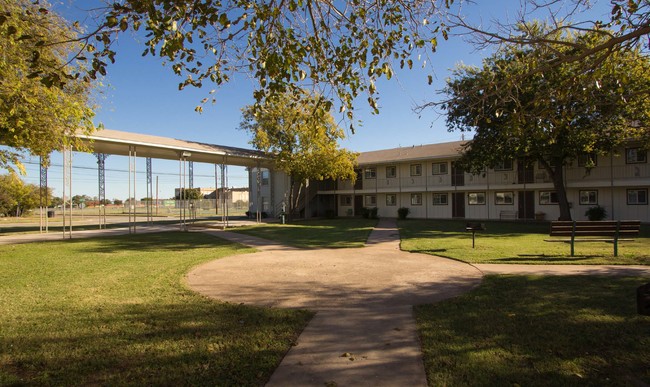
[611, 231]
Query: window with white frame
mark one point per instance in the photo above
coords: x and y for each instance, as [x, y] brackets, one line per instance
[416, 199]
[370, 200]
[588, 197]
[391, 200]
[587, 160]
[636, 156]
[439, 168]
[505, 165]
[548, 197]
[370, 173]
[637, 196]
[346, 200]
[504, 198]
[391, 171]
[440, 199]
[476, 198]
[416, 169]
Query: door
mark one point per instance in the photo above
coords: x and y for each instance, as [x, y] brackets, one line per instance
[458, 205]
[526, 204]
[525, 172]
[457, 177]
[358, 204]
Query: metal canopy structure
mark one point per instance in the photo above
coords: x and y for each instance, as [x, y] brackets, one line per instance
[118, 143]
[112, 142]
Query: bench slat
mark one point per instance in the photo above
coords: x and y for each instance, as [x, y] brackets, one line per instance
[590, 229]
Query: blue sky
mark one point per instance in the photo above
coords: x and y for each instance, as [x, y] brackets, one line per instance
[142, 96]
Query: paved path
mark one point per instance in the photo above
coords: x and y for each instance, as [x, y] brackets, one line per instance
[364, 332]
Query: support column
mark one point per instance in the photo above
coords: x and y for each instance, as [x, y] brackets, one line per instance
[150, 195]
[132, 189]
[101, 178]
[216, 190]
[67, 192]
[258, 217]
[43, 197]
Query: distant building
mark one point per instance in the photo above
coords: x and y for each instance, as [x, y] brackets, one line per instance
[233, 195]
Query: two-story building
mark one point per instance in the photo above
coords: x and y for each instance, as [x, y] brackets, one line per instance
[426, 180]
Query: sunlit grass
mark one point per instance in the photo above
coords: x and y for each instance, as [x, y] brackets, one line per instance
[115, 311]
[327, 233]
[538, 331]
[509, 242]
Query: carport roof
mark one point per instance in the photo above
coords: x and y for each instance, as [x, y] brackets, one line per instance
[116, 142]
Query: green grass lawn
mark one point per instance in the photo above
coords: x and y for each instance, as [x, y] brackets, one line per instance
[538, 331]
[327, 233]
[505, 242]
[115, 311]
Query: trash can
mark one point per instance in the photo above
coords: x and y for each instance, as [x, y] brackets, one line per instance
[50, 213]
[643, 299]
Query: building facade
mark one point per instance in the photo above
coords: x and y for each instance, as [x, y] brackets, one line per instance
[426, 180]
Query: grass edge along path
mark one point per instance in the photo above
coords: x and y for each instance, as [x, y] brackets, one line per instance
[314, 233]
[514, 242]
[538, 331]
[116, 311]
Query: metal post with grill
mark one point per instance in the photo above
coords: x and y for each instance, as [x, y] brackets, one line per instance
[473, 228]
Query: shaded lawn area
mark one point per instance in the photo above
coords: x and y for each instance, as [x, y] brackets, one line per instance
[538, 331]
[115, 311]
[321, 233]
[510, 242]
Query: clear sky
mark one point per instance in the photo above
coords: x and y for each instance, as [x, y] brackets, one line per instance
[142, 96]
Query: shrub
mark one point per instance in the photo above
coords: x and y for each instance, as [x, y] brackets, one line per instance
[372, 213]
[330, 214]
[596, 213]
[365, 213]
[403, 212]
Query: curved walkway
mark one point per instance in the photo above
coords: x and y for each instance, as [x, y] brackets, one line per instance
[364, 332]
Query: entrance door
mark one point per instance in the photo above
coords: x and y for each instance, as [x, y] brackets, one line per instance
[458, 205]
[457, 175]
[525, 172]
[358, 204]
[526, 204]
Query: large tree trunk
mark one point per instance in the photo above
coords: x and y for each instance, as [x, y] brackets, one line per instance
[560, 189]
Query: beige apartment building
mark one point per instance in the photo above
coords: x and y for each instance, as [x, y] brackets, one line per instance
[425, 179]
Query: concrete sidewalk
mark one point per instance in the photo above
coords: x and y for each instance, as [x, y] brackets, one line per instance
[364, 332]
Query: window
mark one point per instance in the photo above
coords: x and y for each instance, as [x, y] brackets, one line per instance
[265, 177]
[588, 197]
[504, 198]
[637, 196]
[505, 165]
[416, 199]
[440, 199]
[370, 173]
[346, 200]
[588, 160]
[548, 197]
[416, 169]
[391, 200]
[439, 168]
[476, 198]
[370, 200]
[635, 156]
[391, 171]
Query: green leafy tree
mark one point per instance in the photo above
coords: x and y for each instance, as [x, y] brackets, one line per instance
[303, 140]
[189, 194]
[551, 117]
[42, 104]
[16, 197]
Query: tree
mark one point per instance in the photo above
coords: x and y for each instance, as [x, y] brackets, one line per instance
[16, 197]
[551, 117]
[303, 140]
[42, 104]
[189, 194]
[118, 202]
[339, 48]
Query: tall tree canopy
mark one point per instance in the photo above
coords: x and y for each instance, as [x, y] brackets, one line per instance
[42, 105]
[552, 116]
[303, 139]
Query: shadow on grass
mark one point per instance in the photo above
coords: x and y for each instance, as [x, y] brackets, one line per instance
[525, 330]
[194, 343]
